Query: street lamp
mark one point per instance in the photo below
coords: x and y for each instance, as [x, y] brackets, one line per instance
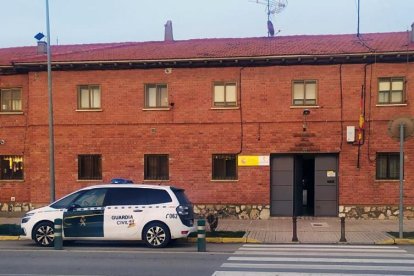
[39, 36]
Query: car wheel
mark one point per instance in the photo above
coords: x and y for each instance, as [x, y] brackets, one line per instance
[156, 234]
[44, 234]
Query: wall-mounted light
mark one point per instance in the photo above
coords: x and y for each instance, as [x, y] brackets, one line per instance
[306, 112]
[2, 142]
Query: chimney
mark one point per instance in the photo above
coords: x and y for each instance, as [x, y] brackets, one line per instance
[41, 47]
[168, 35]
[412, 33]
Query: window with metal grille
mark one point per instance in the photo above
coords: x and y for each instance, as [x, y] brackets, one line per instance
[11, 167]
[225, 94]
[89, 167]
[388, 166]
[156, 167]
[224, 167]
[89, 97]
[391, 90]
[156, 96]
[11, 100]
[304, 92]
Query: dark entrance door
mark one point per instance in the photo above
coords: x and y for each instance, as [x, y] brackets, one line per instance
[304, 185]
[282, 177]
[326, 185]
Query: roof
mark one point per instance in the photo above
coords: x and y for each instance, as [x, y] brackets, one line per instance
[215, 48]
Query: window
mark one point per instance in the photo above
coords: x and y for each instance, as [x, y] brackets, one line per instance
[89, 97]
[91, 198]
[11, 167]
[65, 201]
[156, 167]
[224, 167]
[225, 95]
[11, 100]
[304, 92]
[137, 196]
[89, 167]
[391, 90]
[156, 96]
[388, 166]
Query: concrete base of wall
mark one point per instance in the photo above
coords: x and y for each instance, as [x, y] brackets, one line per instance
[233, 211]
[374, 212]
[254, 212]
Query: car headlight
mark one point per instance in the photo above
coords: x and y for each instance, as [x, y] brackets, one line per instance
[27, 217]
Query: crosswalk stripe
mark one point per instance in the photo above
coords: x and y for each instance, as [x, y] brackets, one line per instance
[327, 250]
[324, 254]
[313, 260]
[258, 273]
[319, 267]
[319, 246]
[321, 260]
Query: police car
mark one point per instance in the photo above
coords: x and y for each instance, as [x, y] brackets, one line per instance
[155, 214]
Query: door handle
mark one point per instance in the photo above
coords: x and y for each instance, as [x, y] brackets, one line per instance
[137, 210]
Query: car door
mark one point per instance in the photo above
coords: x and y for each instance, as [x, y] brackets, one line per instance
[84, 217]
[124, 214]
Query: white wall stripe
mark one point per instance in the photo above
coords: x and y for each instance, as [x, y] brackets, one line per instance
[321, 260]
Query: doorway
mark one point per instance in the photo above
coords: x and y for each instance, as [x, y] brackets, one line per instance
[304, 185]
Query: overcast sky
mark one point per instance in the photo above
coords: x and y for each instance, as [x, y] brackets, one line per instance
[95, 21]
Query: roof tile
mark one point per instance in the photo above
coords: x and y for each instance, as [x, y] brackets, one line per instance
[216, 48]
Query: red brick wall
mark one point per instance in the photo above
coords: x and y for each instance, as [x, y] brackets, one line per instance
[13, 130]
[190, 132]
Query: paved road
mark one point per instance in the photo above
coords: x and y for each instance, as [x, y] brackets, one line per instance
[23, 258]
[309, 260]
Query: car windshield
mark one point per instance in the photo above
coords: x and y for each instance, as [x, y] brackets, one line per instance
[65, 201]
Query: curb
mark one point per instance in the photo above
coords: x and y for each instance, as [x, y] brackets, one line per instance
[226, 240]
[404, 241]
[396, 241]
[9, 238]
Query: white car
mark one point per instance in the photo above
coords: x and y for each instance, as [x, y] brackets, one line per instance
[155, 214]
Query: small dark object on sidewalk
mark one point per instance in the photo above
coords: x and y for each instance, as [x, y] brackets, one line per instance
[212, 222]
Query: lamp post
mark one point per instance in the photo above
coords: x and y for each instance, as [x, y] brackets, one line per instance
[49, 89]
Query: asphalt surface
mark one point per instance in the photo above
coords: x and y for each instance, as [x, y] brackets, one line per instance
[24, 258]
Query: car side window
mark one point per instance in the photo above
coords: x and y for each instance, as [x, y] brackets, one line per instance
[136, 196]
[65, 202]
[91, 198]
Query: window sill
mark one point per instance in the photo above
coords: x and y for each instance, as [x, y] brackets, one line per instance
[156, 180]
[89, 180]
[388, 105]
[224, 180]
[224, 108]
[157, 109]
[12, 113]
[88, 110]
[388, 180]
[11, 180]
[304, 106]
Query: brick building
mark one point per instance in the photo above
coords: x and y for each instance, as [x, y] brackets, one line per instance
[250, 127]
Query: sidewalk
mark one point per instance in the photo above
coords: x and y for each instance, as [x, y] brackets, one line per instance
[317, 230]
[309, 230]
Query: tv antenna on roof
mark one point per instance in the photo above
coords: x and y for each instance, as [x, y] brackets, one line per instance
[272, 7]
